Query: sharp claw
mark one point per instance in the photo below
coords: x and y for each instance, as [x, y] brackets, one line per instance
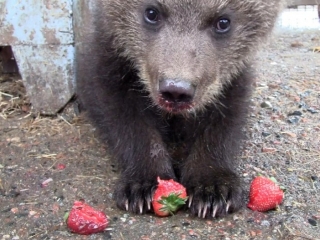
[127, 205]
[199, 212]
[228, 206]
[214, 212]
[205, 211]
[190, 201]
[141, 207]
[148, 203]
[200, 209]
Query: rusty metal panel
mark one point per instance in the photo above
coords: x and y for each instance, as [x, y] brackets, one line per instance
[48, 75]
[40, 33]
[36, 22]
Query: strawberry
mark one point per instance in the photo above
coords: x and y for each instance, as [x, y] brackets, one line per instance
[85, 220]
[265, 194]
[168, 197]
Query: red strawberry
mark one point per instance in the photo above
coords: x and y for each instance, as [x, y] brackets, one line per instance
[168, 197]
[265, 194]
[85, 220]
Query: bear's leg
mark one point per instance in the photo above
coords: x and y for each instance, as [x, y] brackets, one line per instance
[213, 187]
[136, 144]
[208, 172]
[146, 158]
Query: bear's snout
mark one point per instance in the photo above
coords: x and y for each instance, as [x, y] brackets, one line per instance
[178, 91]
[176, 94]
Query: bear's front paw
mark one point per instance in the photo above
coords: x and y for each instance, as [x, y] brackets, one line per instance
[214, 197]
[134, 196]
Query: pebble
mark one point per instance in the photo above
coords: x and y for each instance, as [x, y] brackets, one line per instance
[268, 150]
[317, 217]
[312, 222]
[312, 110]
[124, 218]
[15, 139]
[290, 134]
[295, 113]
[250, 220]
[306, 93]
[193, 234]
[293, 119]
[288, 208]
[266, 104]
[265, 223]
[185, 224]
[302, 105]
[32, 213]
[262, 85]
[14, 210]
[265, 134]
[235, 218]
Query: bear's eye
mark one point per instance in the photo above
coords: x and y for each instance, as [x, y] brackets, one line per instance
[222, 25]
[152, 16]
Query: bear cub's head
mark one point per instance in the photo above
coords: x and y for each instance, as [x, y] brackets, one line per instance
[187, 51]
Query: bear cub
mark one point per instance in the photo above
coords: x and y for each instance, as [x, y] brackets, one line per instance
[167, 83]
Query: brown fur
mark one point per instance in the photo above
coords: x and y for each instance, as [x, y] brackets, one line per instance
[193, 140]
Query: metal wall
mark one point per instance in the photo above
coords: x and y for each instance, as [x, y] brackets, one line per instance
[41, 35]
[302, 2]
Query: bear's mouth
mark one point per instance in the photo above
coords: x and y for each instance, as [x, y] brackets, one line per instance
[174, 106]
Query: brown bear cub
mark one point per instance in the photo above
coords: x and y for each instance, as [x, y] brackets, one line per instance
[167, 83]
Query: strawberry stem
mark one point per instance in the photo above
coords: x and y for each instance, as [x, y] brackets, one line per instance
[172, 203]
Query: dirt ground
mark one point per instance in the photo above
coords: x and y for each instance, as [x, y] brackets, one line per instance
[46, 163]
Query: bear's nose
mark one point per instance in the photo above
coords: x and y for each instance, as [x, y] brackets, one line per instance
[176, 90]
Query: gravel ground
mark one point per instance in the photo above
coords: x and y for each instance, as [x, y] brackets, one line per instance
[283, 141]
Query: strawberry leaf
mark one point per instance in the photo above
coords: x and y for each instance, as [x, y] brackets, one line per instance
[172, 203]
[274, 180]
[66, 215]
